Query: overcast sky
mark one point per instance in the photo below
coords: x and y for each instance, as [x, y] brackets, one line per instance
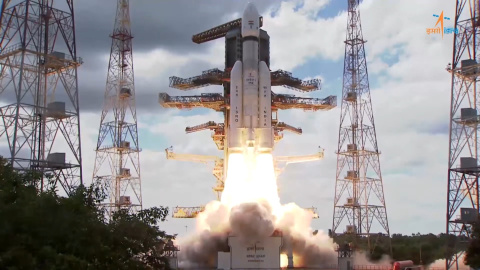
[409, 84]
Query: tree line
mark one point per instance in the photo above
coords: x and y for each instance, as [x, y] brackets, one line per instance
[42, 230]
[422, 249]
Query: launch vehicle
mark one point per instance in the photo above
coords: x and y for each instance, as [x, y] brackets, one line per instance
[250, 93]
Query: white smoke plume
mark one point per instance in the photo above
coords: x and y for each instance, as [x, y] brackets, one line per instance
[361, 258]
[251, 210]
[251, 222]
[440, 264]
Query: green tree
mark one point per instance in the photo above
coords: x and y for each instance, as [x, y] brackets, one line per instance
[41, 230]
[421, 249]
[472, 256]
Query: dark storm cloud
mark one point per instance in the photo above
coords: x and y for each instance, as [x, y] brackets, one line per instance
[166, 24]
[155, 24]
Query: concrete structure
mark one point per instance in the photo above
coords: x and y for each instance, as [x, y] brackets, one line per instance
[170, 251]
[345, 257]
[263, 254]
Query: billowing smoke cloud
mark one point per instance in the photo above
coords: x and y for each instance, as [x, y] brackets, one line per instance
[361, 258]
[316, 249]
[201, 251]
[254, 221]
[441, 263]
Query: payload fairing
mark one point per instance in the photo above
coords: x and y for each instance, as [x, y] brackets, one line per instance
[250, 93]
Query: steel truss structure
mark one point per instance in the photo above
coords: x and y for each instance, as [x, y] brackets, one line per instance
[359, 198]
[218, 131]
[217, 77]
[192, 212]
[219, 31]
[117, 163]
[219, 163]
[463, 170]
[218, 103]
[39, 111]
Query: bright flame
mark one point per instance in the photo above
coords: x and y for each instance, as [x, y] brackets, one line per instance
[251, 178]
[283, 260]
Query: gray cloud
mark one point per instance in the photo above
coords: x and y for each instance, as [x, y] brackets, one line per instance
[166, 24]
[155, 24]
[160, 24]
[92, 86]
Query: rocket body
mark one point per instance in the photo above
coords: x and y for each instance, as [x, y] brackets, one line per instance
[250, 93]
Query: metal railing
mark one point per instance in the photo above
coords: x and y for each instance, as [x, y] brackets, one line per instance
[32, 48]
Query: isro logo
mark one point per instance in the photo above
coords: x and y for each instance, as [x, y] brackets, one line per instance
[441, 29]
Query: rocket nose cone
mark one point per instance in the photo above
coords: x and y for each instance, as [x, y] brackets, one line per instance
[251, 11]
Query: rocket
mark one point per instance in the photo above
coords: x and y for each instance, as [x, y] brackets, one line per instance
[250, 93]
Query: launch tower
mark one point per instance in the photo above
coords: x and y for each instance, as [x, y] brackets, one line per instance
[463, 169]
[359, 198]
[117, 164]
[221, 102]
[39, 113]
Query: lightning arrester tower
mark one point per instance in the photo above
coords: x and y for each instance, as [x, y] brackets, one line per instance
[39, 112]
[359, 201]
[117, 164]
[463, 170]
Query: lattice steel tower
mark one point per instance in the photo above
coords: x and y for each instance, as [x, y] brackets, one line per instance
[463, 169]
[39, 113]
[359, 189]
[117, 164]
